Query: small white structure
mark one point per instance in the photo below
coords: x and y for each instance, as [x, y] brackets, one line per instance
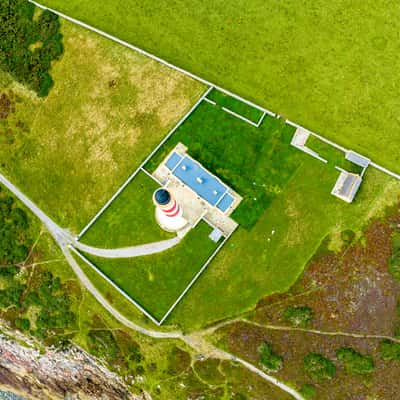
[358, 159]
[169, 214]
[299, 141]
[347, 186]
[215, 235]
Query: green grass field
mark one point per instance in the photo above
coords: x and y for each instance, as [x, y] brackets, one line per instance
[330, 66]
[156, 281]
[108, 109]
[130, 219]
[256, 162]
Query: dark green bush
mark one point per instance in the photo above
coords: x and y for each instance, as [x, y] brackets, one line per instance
[269, 361]
[390, 351]
[308, 391]
[23, 324]
[354, 362]
[299, 316]
[318, 367]
[14, 235]
[20, 54]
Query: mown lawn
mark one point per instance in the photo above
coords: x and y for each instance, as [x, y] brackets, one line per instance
[130, 219]
[328, 65]
[256, 162]
[156, 281]
[108, 109]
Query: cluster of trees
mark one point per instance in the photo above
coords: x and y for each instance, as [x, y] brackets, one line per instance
[14, 232]
[54, 303]
[354, 362]
[28, 45]
[318, 367]
[269, 360]
[45, 293]
[390, 351]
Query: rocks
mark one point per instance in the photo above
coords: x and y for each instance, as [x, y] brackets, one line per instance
[53, 374]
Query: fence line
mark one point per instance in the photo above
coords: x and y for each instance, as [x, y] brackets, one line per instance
[195, 278]
[261, 119]
[227, 110]
[104, 276]
[126, 183]
[150, 55]
[210, 101]
[386, 171]
[151, 176]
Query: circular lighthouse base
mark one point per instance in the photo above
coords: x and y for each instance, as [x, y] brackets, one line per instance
[170, 224]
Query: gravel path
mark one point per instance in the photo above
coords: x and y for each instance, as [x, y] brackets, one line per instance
[125, 252]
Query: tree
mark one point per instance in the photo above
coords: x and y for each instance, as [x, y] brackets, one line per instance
[308, 391]
[354, 362]
[390, 351]
[269, 361]
[27, 45]
[298, 316]
[318, 367]
[23, 324]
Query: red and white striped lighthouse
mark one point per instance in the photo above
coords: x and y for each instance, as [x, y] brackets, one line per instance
[169, 214]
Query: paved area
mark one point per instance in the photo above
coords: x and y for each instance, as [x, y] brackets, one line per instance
[126, 252]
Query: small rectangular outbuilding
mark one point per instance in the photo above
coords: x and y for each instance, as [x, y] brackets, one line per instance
[357, 159]
[347, 186]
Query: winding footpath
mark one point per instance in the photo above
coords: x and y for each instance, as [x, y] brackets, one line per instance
[196, 341]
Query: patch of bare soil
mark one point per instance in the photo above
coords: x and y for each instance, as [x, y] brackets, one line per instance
[349, 291]
[7, 105]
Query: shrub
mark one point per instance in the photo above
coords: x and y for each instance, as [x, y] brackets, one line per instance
[318, 367]
[390, 351]
[23, 324]
[298, 316]
[354, 362]
[19, 35]
[269, 361]
[308, 391]
[14, 234]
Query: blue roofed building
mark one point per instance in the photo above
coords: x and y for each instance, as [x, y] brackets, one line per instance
[200, 192]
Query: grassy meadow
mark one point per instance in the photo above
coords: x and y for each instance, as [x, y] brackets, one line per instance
[108, 108]
[330, 66]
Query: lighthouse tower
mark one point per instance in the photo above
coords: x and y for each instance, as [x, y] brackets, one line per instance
[169, 214]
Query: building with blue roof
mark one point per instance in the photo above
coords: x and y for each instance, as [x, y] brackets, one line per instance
[201, 194]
